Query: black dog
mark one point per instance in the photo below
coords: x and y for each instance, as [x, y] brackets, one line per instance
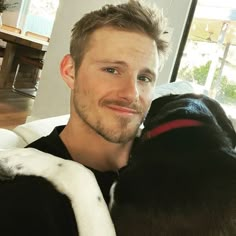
[181, 179]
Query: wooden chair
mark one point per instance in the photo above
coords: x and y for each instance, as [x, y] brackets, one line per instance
[34, 62]
[37, 36]
[9, 28]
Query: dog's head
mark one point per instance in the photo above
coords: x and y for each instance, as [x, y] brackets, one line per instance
[195, 107]
[181, 179]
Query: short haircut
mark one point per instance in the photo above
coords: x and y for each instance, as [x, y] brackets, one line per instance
[132, 16]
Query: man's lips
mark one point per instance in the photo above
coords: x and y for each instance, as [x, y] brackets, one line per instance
[122, 109]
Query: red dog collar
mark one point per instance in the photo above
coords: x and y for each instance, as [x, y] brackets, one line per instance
[174, 124]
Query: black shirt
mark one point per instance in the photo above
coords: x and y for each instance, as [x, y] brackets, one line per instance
[53, 144]
[31, 206]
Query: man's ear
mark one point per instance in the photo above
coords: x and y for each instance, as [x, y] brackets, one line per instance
[67, 69]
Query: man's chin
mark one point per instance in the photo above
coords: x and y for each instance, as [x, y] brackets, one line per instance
[120, 137]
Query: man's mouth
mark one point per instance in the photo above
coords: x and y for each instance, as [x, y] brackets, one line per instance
[123, 110]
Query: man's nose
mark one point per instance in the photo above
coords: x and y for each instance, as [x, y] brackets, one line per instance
[129, 90]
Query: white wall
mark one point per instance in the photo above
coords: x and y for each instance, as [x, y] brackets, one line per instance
[11, 16]
[53, 95]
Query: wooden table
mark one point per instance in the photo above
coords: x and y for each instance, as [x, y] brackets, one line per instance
[18, 44]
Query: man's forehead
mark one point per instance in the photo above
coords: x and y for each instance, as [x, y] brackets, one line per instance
[109, 33]
[130, 45]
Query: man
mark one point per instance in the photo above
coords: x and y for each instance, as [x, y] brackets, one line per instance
[112, 68]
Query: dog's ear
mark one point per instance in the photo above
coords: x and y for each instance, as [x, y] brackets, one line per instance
[157, 104]
[221, 117]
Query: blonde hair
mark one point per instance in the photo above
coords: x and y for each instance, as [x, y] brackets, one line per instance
[131, 16]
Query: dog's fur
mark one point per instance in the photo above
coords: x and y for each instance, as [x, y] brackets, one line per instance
[64, 177]
[182, 181]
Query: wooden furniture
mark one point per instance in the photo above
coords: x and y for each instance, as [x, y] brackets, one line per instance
[14, 109]
[18, 44]
[36, 63]
[37, 36]
[11, 29]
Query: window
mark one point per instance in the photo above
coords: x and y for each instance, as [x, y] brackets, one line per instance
[209, 56]
[39, 16]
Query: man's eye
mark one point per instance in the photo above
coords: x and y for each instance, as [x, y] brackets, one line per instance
[144, 78]
[111, 70]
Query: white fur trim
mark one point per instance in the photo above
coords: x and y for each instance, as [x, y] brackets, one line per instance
[112, 191]
[69, 177]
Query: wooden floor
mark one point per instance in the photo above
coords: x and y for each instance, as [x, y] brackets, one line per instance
[14, 108]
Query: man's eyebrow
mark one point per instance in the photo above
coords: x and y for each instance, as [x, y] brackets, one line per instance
[113, 62]
[148, 71]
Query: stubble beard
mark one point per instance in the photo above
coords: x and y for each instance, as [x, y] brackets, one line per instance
[122, 134]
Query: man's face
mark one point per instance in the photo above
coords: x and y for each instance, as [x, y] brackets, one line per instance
[115, 81]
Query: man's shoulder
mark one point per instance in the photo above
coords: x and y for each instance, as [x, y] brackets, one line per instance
[49, 139]
[52, 144]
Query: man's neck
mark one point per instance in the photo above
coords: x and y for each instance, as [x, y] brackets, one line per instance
[92, 150]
